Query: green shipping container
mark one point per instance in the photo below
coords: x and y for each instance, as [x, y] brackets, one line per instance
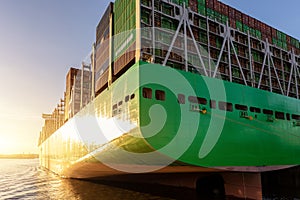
[176, 1]
[203, 23]
[210, 13]
[146, 2]
[202, 9]
[284, 46]
[245, 28]
[201, 2]
[274, 41]
[239, 25]
[166, 8]
[258, 34]
[167, 23]
[184, 1]
[279, 43]
[281, 36]
[218, 16]
[224, 19]
[124, 20]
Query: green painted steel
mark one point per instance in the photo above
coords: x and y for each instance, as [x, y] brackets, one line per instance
[247, 138]
[124, 23]
[179, 125]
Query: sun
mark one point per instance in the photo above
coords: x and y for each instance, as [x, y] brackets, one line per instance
[7, 146]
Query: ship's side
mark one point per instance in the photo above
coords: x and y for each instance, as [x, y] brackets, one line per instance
[224, 98]
[179, 129]
[242, 129]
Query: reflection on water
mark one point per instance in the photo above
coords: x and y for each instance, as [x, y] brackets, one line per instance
[23, 179]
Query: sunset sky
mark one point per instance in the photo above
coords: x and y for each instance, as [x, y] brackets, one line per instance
[41, 39]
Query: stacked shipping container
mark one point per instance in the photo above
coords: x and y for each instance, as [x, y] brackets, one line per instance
[208, 19]
[70, 81]
[221, 12]
[125, 25]
[103, 53]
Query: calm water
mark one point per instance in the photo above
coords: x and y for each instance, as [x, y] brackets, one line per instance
[23, 179]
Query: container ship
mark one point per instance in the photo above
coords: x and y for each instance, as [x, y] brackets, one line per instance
[179, 86]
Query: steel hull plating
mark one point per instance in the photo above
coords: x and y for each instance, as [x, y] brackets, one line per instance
[125, 131]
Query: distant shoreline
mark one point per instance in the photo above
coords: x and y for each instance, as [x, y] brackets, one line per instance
[19, 156]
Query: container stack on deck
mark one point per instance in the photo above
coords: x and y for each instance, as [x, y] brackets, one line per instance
[103, 34]
[125, 19]
[208, 19]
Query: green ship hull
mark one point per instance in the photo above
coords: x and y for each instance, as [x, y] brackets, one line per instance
[158, 119]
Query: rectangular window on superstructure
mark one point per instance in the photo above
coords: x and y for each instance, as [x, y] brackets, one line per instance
[120, 103]
[197, 100]
[115, 107]
[255, 109]
[213, 104]
[279, 115]
[288, 116]
[147, 93]
[296, 117]
[268, 112]
[181, 98]
[225, 106]
[160, 95]
[132, 96]
[241, 107]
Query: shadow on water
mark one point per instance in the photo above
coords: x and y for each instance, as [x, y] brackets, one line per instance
[155, 191]
[116, 189]
[282, 184]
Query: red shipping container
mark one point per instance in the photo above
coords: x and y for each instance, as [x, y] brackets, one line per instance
[193, 4]
[269, 30]
[232, 23]
[263, 28]
[274, 32]
[270, 39]
[217, 6]
[238, 15]
[245, 19]
[210, 4]
[252, 22]
[225, 9]
[231, 12]
[288, 39]
[257, 25]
